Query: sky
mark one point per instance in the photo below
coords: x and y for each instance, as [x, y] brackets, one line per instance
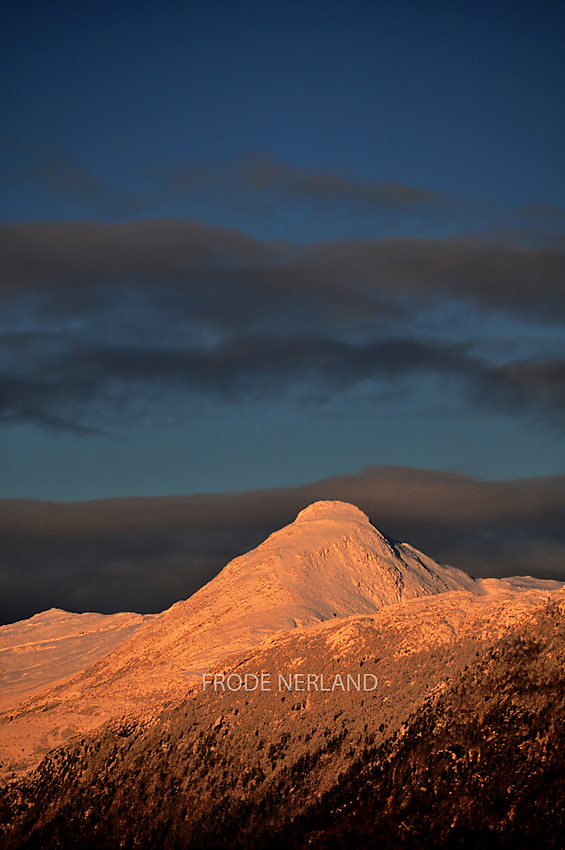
[250, 246]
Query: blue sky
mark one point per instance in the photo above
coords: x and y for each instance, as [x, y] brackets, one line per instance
[246, 246]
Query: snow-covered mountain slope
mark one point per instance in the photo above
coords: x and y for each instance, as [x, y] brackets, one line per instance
[226, 767]
[55, 645]
[329, 563]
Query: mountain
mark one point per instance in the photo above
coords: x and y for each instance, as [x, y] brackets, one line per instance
[325, 570]
[330, 562]
[460, 744]
[53, 646]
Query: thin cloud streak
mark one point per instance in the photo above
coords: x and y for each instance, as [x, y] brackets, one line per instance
[260, 185]
[242, 181]
[331, 188]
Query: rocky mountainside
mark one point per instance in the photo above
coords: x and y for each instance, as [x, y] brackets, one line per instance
[329, 563]
[481, 766]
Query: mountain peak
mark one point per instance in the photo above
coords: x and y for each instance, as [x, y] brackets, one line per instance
[331, 561]
[332, 510]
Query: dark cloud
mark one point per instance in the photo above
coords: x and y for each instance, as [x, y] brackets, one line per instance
[40, 403]
[79, 256]
[108, 317]
[542, 380]
[492, 275]
[145, 554]
[97, 383]
[89, 253]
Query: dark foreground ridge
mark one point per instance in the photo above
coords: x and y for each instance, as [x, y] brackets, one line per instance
[479, 765]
